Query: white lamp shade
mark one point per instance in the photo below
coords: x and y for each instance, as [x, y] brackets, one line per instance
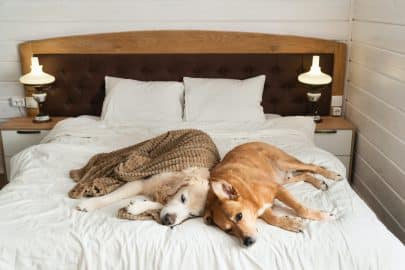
[36, 76]
[315, 76]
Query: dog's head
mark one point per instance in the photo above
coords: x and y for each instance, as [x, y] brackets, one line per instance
[232, 213]
[189, 200]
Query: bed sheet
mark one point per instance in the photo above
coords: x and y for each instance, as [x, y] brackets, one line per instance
[40, 229]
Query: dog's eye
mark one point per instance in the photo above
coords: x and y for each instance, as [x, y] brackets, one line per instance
[183, 198]
[238, 217]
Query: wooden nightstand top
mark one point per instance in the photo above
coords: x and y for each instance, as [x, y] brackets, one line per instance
[25, 123]
[334, 123]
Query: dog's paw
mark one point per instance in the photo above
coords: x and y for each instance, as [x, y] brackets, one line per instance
[334, 176]
[323, 186]
[294, 224]
[86, 206]
[327, 216]
[81, 207]
[136, 207]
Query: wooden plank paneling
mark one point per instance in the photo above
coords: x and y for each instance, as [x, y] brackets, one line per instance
[393, 175]
[386, 62]
[9, 89]
[391, 146]
[10, 71]
[38, 30]
[386, 36]
[372, 200]
[6, 111]
[387, 89]
[375, 103]
[386, 195]
[180, 10]
[8, 51]
[386, 115]
[22, 20]
[387, 11]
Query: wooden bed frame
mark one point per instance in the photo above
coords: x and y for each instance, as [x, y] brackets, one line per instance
[189, 42]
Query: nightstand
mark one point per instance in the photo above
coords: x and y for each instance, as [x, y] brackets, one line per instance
[336, 135]
[20, 133]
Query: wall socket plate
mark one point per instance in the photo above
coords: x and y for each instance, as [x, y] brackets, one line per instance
[336, 111]
[17, 101]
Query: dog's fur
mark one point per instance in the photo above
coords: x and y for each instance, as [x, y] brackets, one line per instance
[187, 196]
[246, 182]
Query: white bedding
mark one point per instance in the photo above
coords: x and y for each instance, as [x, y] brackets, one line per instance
[39, 228]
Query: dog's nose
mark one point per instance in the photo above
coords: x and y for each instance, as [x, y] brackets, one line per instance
[169, 219]
[248, 241]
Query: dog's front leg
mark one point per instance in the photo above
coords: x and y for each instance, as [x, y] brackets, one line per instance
[138, 207]
[288, 223]
[307, 177]
[287, 198]
[126, 191]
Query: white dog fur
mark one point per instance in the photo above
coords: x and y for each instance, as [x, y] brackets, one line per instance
[189, 200]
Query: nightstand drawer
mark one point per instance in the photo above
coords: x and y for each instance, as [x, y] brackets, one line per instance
[15, 141]
[337, 142]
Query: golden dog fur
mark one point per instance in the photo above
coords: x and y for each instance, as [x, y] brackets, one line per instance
[246, 182]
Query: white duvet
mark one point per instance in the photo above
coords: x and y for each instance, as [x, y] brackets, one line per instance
[40, 229]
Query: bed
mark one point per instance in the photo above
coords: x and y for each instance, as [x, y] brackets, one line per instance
[40, 228]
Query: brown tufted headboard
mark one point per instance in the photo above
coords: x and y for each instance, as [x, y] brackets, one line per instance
[80, 63]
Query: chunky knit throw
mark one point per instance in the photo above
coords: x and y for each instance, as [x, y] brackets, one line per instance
[172, 151]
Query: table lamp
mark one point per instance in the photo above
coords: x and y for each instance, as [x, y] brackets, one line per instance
[316, 80]
[40, 81]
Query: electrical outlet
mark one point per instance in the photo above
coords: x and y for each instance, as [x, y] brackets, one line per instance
[336, 111]
[17, 102]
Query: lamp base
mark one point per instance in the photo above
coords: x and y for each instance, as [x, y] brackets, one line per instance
[41, 119]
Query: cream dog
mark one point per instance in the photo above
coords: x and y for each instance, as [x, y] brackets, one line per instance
[179, 195]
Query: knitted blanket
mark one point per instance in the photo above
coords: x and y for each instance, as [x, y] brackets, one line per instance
[172, 151]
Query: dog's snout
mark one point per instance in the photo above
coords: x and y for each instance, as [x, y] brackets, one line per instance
[248, 241]
[169, 219]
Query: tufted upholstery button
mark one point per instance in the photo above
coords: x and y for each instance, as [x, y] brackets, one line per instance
[197, 70]
[249, 70]
[223, 70]
[276, 69]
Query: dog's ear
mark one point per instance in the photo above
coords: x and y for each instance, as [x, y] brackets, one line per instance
[224, 190]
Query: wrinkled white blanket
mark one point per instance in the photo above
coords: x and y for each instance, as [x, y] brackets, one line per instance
[39, 228]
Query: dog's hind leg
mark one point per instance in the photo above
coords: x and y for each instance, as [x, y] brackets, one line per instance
[126, 191]
[296, 165]
[287, 198]
[307, 177]
[288, 223]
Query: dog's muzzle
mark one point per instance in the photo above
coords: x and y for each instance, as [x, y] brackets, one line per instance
[248, 241]
[169, 219]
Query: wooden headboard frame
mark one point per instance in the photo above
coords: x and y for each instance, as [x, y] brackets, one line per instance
[188, 41]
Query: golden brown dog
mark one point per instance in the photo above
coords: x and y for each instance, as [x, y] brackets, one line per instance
[246, 182]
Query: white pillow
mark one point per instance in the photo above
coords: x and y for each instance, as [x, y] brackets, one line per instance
[130, 101]
[209, 100]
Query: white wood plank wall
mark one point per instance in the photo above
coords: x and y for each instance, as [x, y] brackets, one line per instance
[27, 20]
[376, 104]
